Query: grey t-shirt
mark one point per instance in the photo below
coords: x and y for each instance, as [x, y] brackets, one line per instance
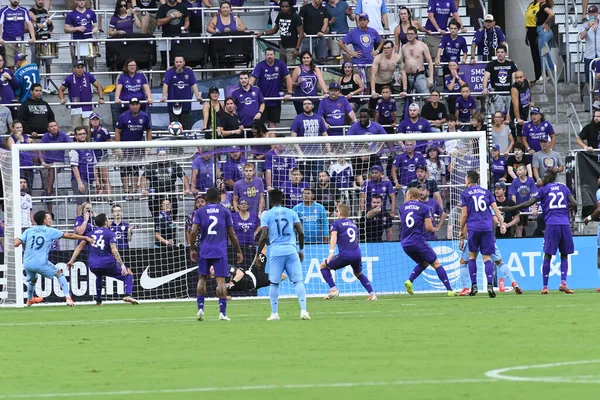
[542, 161]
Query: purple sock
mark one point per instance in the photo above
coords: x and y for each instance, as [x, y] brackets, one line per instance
[441, 273]
[328, 277]
[489, 271]
[128, 284]
[545, 271]
[365, 282]
[564, 270]
[200, 302]
[416, 272]
[99, 284]
[473, 271]
[223, 306]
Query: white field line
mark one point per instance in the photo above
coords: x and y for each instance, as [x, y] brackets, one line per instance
[498, 374]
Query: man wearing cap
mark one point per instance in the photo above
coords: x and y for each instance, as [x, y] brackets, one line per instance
[438, 13]
[366, 43]
[382, 71]
[35, 113]
[546, 160]
[271, 74]
[589, 32]
[178, 84]
[511, 218]
[499, 165]
[13, 20]
[335, 109]
[535, 130]
[415, 53]
[315, 20]
[377, 184]
[520, 93]
[415, 124]
[80, 85]
[82, 23]
[404, 167]
[421, 179]
[500, 73]
[487, 40]
[377, 10]
[438, 213]
[82, 167]
[249, 101]
[25, 75]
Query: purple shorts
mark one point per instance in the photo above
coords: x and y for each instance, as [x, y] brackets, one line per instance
[220, 266]
[338, 262]
[482, 242]
[558, 237]
[112, 271]
[421, 253]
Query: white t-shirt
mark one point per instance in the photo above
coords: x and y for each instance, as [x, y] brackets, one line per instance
[26, 206]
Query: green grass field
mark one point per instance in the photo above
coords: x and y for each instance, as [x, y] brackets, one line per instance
[419, 347]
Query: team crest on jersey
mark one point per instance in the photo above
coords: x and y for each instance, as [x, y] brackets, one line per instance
[276, 69]
[123, 228]
[456, 45]
[366, 40]
[186, 76]
[420, 127]
[543, 128]
[138, 80]
[141, 121]
[549, 162]
[253, 94]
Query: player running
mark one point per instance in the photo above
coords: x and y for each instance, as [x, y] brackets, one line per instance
[37, 242]
[279, 226]
[215, 224]
[415, 217]
[344, 233]
[476, 203]
[104, 259]
[556, 199]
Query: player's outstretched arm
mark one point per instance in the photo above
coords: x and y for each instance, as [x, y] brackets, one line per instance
[586, 220]
[262, 241]
[525, 204]
[74, 236]
[236, 244]
[300, 236]
[76, 252]
[332, 244]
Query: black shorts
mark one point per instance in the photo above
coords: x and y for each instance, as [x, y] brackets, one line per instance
[272, 114]
[523, 220]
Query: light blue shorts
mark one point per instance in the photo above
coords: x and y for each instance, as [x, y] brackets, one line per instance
[598, 239]
[289, 263]
[495, 256]
[47, 270]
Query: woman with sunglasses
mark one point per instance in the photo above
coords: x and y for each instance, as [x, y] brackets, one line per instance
[123, 20]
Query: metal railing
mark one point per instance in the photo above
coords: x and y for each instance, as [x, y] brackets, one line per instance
[573, 129]
[592, 84]
[554, 77]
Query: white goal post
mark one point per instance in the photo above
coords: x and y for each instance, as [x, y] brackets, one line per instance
[12, 289]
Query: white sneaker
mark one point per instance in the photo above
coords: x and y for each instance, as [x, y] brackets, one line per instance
[223, 317]
[304, 315]
[273, 317]
[200, 315]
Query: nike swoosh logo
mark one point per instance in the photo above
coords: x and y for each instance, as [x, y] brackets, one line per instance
[148, 282]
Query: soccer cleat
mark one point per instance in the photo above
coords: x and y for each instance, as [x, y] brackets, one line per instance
[474, 290]
[35, 300]
[598, 290]
[304, 315]
[517, 288]
[408, 285]
[451, 293]
[465, 292]
[273, 317]
[223, 317]
[490, 290]
[332, 293]
[372, 297]
[565, 289]
[544, 291]
[70, 302]
[98, 303]
[200, 315]
[130, 300]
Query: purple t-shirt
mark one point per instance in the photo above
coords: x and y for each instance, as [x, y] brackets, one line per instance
[234, 169]
[383, 187]
[252, 192]
[13, 22]
[363, 43]
[386, 110]
[206, 173]
[270, 79]
[51, 156]
[84, 160]
[347, 237]
[244, 228]
[374, 128]
[478, 202]
[308, 125]
[533, 133]
[412, 217]
[133, 129]
[522, 190]
[293, 193]
[100, 254]
[555, 203]
[122, 24]
[455, 89]
[407, 166]
[280, 166]
[441, 10]
[498, 168]
[334, 112]
[80, 89]
[436, 209]
[452, 48]
[213, 220]
[420, 126]
[492, 38]
[248, 102]
[180, 86]
[8, 87]
[464, 108]
[133, 86]
[86, 18]
[121, 232]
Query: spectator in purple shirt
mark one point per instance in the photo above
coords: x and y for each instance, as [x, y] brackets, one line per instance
[123, 19]
[405, 166]
[366, 42]
[487, 40]
[82, 162]
[13, 21]
[293, 188]
[8, 86]
[377, 184]
[178, 85]
[438, 13]
[415, 124]
[233, 169]
[204, 170]
[132, 83]
[250, 188]
[246, 225]
[451, 47]
[80, 91]
[278, 166]
[335, 110]
[465, 105]
[123, 230]
[49, 157]
[249, 101]
[82, 23]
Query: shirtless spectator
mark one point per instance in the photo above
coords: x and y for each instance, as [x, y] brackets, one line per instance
[415, 54]
[382, 72]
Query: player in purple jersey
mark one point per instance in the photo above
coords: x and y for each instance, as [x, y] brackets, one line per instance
[215, 225]
[104, 259]
[476, 203]
[344, 233]
[555, 199]
[415, 218]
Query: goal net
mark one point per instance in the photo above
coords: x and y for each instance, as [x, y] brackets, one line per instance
[150, 193]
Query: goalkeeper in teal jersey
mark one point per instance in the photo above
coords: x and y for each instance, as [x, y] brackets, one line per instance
[314, 218]
[279, 226]
[37, 242]
[26, 74]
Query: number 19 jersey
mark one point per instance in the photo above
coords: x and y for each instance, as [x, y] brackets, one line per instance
[282, 236]
[478, 202]
[213, 221]
[37, 242]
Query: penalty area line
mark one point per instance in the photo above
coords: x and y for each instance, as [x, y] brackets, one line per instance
[245, 388]
[498, 374]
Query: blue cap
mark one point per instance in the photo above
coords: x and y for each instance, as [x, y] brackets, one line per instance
[535, 110]
[500, 185]
[94, 115]
[377, 168]
[496, 147]
[334, 85]
[363, 16]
